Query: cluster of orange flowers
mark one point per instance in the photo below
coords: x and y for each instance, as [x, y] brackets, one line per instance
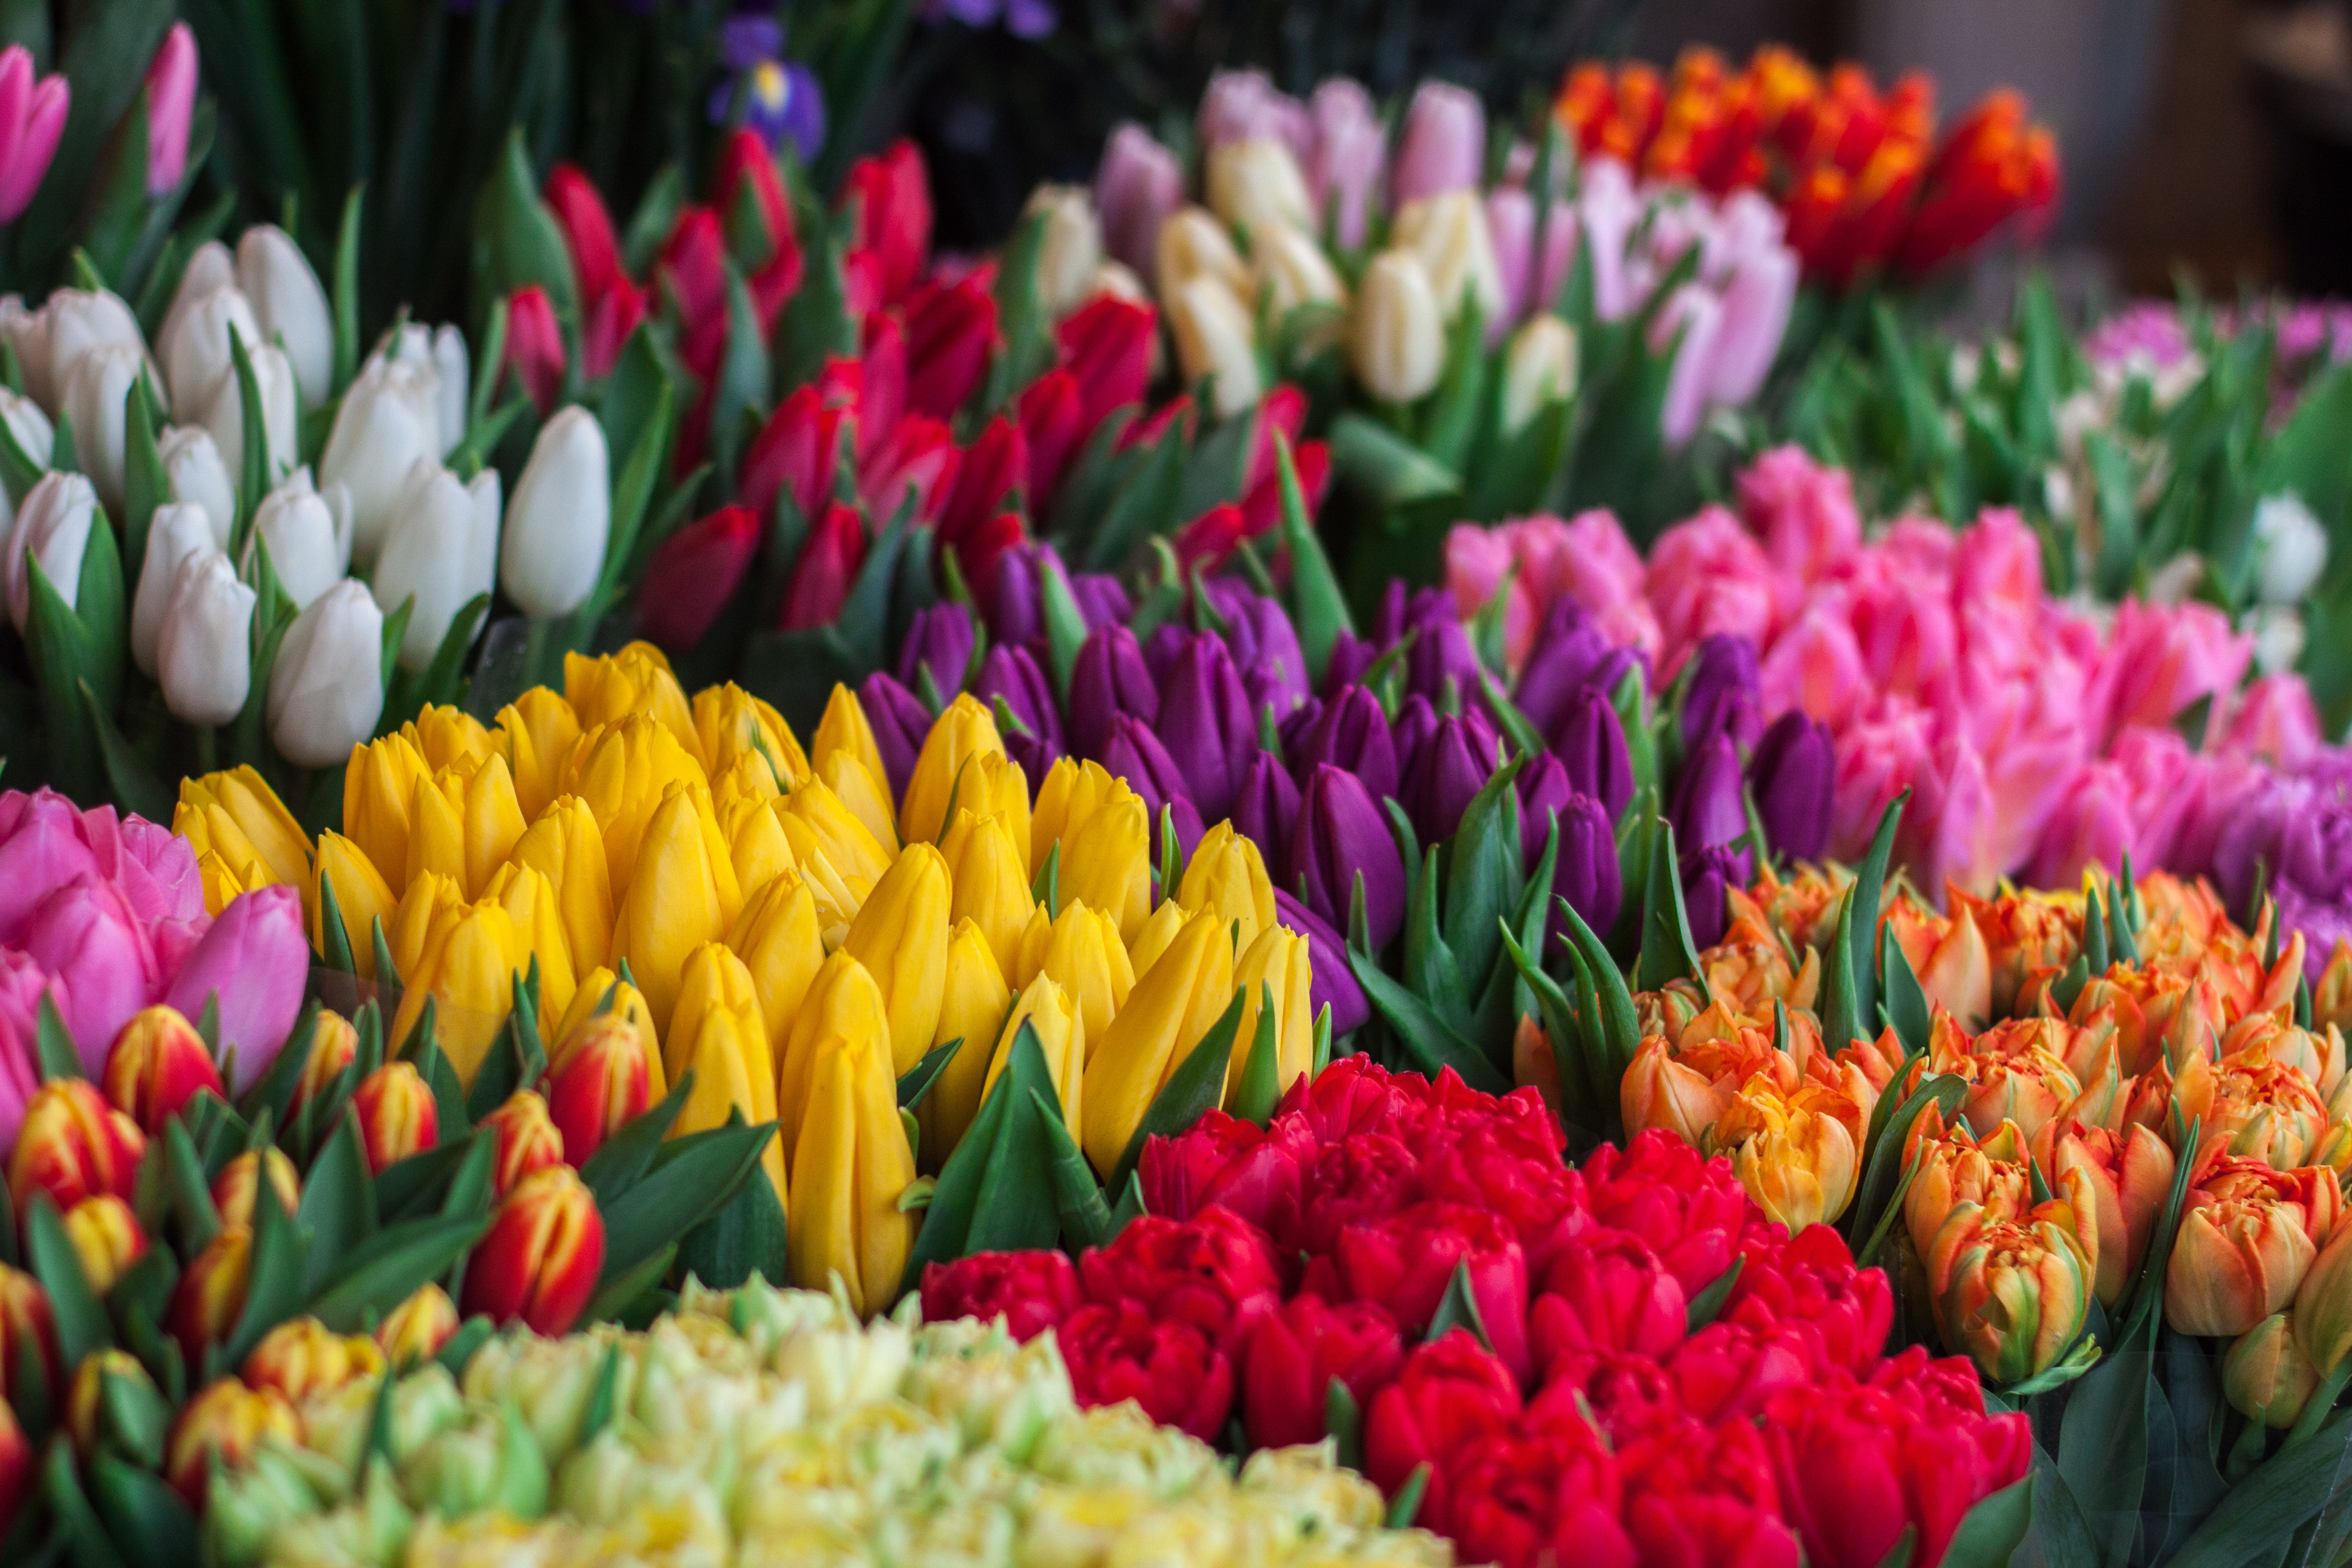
[1861, 174]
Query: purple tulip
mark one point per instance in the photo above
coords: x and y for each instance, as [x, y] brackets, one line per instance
[1442, 653]
[1389, 624]
[1160, 649]
[1511, 225]
[1206, 721]
[1443, 147]
[1109, 679]
[256, 960]
[941, 639]
[1569, 651]
[1012, 672]
[1416, 721]
[2316, 851]
[1340, 836]
[1295, 726]
[900, 722]
[1134, 754]
[2323, 923]
[1332, 980]
[1586, 874]
[1350, 657]
[1444, 780]
[1792, 771]
[1245, 106]
[1264, 645]
[1543, 789]
[1350, 154]
[1723, 694]
[1136, 186]
[1705, 876]
[1352, 733]
[1707, 810]
[87, 934]
[1101, 601]
[1015, 612]
[1590, 744]
[1266, 807]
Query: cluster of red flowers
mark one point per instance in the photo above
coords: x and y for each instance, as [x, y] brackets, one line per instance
[1861, 174]
[1593, 1424]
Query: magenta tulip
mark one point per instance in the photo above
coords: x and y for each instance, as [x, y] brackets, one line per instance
[256, 958]
[87, 934]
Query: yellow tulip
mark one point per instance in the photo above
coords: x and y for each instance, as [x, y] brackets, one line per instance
[637, 679]
[756, 844]
[531, 902]
[626, 1003]
[842, 1000]
[901, 938]
[995, 787]
[961, 733]
[714, 981]
[564, 845]
[733, 726]
[1279, 958]
[622, 769]
[468, 969]
[971, 1008]
[378, 785]
[826, 823]
[729, 1058]
[237, 806]
[867, 796]
[1084, 955]
[225, 880]
[991, 882]
[1172, 1007]
[464, 821]
[1791, 1151]
[1070, 791]
[778, 940]
[1228, 877]
[447, 736]
[536, 733]
[1104, 833]
[838, 896]
[410, 929]
[1144, 950]
[844, 729]
[850, 1165]
[1061, 1032]
[362, 897]
[672, 905]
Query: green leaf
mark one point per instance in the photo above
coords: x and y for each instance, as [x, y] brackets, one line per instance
[53, 1048]
[746, 1237]
[1407, 1501]
[145, 485]
[2260, 1513]
[1842, 1019]
[616, 1293]
[1668, 951]
[1065, 627]
[1385, 468]
[916, 1080]
[131, 783]
[1485, 874]
[692, 1177]
[1318, 607]
[1016, 1206]
[1994, 1528]
[1427, 1038]
[1261, 1085]
[1881, 1166]
[273, 1290]
[417, 1187]
[516, 241]
[75, 1518]
[347, 292]
[81, 1321]
[1086, 1212]
[1869, 878]
[1457, 1309]
[1899, 1554]
[1619, 1026]
[1195, 1086]
[1905, 1007]
[338, 1206]
[1707, 1305]
[390, 1266]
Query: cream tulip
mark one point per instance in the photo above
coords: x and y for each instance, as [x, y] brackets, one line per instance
[1216, 338]
[1538, 369]
[177, 532]
[192, 462]
[1254, 185]
[441, 551]
[563, 512]
[326, 690]
[390, 417]
[1071, 250]
[204, 660]
[1192, 244]
[53, 528]
[309, 536]
[1398, 342]
[1449, 234]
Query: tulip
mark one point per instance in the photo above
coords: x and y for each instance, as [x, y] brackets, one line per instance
[198, 478]
[334, 1042]
[556, 527]
[1226, 877]
[237, 813]
[526, 1140]
[941, 639]
[171, 100]
[76, 322]
[1256, 186]
[678, 898]
[2012, 1293]
[290, 307]
[694, 574]
[226, 1424]
[1399, 336]
[1443, 145]
[439, 551]
[600, 994]
[255, 960]
[601, 1087]
[2266, 1376]
[1790, 773]
[1102, 831]
[108, 1386]
[534, 346]
[1451, 1393]
[901, 938]
[203, 652]
[273, 378]
[31, 118]
[157, 1065]
[1109, 679]
[396, 1114]
[1795, 1156]
[88, 935]
[1281, 960]
[2248, 1235]
[1590, 743]
[1293, 1356]
[1050, 1009]
[210, 1295]
[326, 690]
[1172, 1005]
[389, 418]
[362, 897]
[236, 1189]
[1107, 348]
[28, 1337]
[309, 536]
[301, 1357]
[53, 530]
[418, 1326]
[850, 1163]
[1070, 247]
[1138, 184]
[106, 1239]
[828, 566]
[964, 732]
[1216, 341]
[893, 224]
[973, 1002]
[951, 335]
[467, 966]
[1449, 235]
[1341, 837]
[539, 1261]
[1539, 370]
[95, 388]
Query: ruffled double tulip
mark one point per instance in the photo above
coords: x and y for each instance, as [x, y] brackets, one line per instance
[2248, 1234]
[1794, 1152]
[2012, 1293]
[2128, 1177]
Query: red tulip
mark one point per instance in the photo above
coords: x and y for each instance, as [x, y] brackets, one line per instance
[606, 321]
[1216, 1270]
[1406, 1260]
[1606, 1292]
[793, 454]
[16, 1474]
[28, 1336]
[1993, 165]
[1729, 1369]
[599, 1083]
[777, 274]
[881, 380]
[1697, 1494]
[1355, 1094]
[1033, 1291]
[1262, 506]
[1282, 411]
[1509, 1162]
[828, 566]
[1688, 1208]
[539, 1261]
[979, 553]
[987, 477]
[693, 269]
[527, 1140]
[893, 198]
[693, 573]
[534, 350]
[916, 455]
[1105, 345]
[1358, 1179]
[1522, 1500]
[1223, 1160]
[1170, 1368]
[587, 230]
[1811, 1278]
[1211, 538]
[951, 336]
[1052, 424]
[1447, 1395]
[1293, 1355]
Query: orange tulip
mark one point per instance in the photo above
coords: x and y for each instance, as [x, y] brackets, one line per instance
[2248, 1236]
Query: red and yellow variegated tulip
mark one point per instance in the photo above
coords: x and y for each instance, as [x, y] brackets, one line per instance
[302, 1356]
[157, 1065]
[418, 1326]
[600, 1086]
[537, 1262]
[85, 1409]
[73, 1145]
[396, 1114]
[106, 1239]
[211, 1292]
[333, 1045]
[526, 1139]
[28, 1336]
[226, 1421]
[234, 1189]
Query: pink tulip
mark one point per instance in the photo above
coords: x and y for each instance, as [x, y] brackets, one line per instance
[171, 98]
[1706, 576]
[2092, 827]
[42, 847]
[22, 983]
[87, 934]
[1689, 326]
[1350, 154]
[2219, 788]
[1443, 147]
[1245, 106]
[1138, 183]
[2157, 763]
[1758, 298]
[1607, 210]
[1477, 560]
[155, 868]
[2275, 718]
[1946, 832]
[257, 958]
[1902, 625]
[1998, 562]
[1877, 759]
[2027, 725]
[19, 1078]
[2162, 657]
[1816, 665]
[1598, 567]
[31, 118]
[1803, 510]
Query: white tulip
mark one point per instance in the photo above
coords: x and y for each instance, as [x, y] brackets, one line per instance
[1538, 369]
[1293, 270]
[192, 462]
[1399, 342]
[1192, 243]
[78, 321]
[326, 690]
[97, 390]
[450, 384]
[205, 663]
[27, 331]
[2291, 546]
[2279, 635]
[281, 413]
[1256, 185]
[561, 518]
[1216, 338]
[389, 419]
[1121, 282]
[309, 536]
[177, 531]
[197, 359]
[442, 550]
[31, 427]
[210, 267]
[1071, 248]
[292, 306]
[52, 528]
[1449, 234]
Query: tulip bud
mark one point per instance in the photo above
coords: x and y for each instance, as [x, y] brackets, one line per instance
[211, 1292]
[362, 897]
[1399, 343]
[471, 955]
[301, 1357]
[850, 1163]
[1215, 339]
[388, 419]
[901, 939]
[678, 899]
[2011, 1293]
[2266, 1375]
[193, 466]
[1082, 952]
[973, 1000]
[1279, 959]
[334, 1042]
[1191, 245]
[418, 1329]
[106, 1239]
[539, 1261]
[73, 1145]
[1292, 270]
[282, 414]
[204, 651]
[234, 1189]
[1061, 1029]
[76, 322]
[780, 944]
[526, 1137]
[991, 882]
[563, 512]
[195, 345]
[1071, 249]
[535, 346]
[1173, 1003]
[96, 390]
[228, 1422]
[92, 1408]
[1226, 877]
[1539, 370]
[157, 1064]
[602, 1085]
[1449, 234]
[963, 732]
[396, 1114]
[1136, 186]
[1256, 186]
[1105, 838]
[1443, 146]
[326, 690]
[28, 1338]
[290, 306]
[53, 528]
[440, 550]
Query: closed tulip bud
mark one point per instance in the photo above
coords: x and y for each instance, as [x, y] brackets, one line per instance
[781, 945]
[440, 550]
[157, 1064]
[226, 1421]
[74, 323]
[2011, 1293]
[2266, 1375]
[602, 1085]
[1071, 250]
[178, 534]
[410, 929]
[472, 954]
[53, 526]
[537, 733]
[1254, 185]
[415, 1330]
[325, 689]
[1061, 1029]
[388, 419]
[1449, 234]
[964, 730]
[1192, 245]
[866, 796]
[1397, 343]
[1136, 186]
[198, 477]
[725, 1049]
[538, 1263]
[816, 823]
[563, 512]
[379, 786]
[204, 651]
[850, 1163]
[28, 1337]
[334, 1042]
[901, 938]
[464, 822]
[235, 807]
[566, 850]
[530, 903]
[281, 413]
[1280, 959]
[362, 897]
[1173, 1003]
[290, 306]
[973, 1003]
[106, 1239]
[91, 1407]
[1216, 339]
[96, 390]
[624, 769]
[1341, 835]
[396, 1114]
[733, 725]
[845, 728]
[1226, 877]
[989, 880]
[301, 1356]
[1083, 953]
[675, 900]
[234, 1189]
[211, 1292]
[600, 995]
[526, 1138]
[1105, 836]
[637, 679]
[842, 1000]
[73, 1145]
[2248, 1235]
[1539, 370]
[17, 1475]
